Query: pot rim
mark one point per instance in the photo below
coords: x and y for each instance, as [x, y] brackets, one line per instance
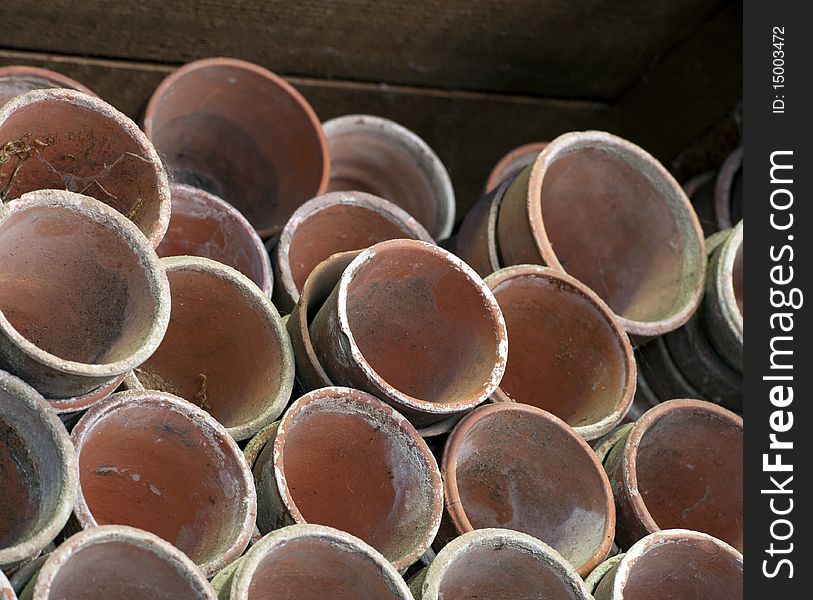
[724, 279]
[77, 403]
[63, 81]
[497, 175]
[723, 188]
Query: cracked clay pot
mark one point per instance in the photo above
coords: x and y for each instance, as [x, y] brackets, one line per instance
[605, 211]
[343, 458]
[566, 353]
[89, 299]
[510, 165]
[242, 133]
[519, 467]
[724, 298]
[64, 139]
[19, 79]
[115, 562]
[681, 466]
[415, 326]
[154, 461]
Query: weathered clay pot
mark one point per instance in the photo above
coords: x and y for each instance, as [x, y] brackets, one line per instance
[117, 563]
[644, 398]
[675, 564]
[204, 225]
[603, 445]
[26, 573]
[89, 299]
[332, 223]
[605, 211]
[19, 79]
[38, 471]
[154, 461]
[225, 349]
[376, 155]
[476, 241]
[567, 354]
[700, 191]
[242, 133]
[519, 467]
[6, 591]
[67, 407]
[345, 459]
[311, 561]
[680, 467]
[510, 165]
[596, 575]
[728, 191]
[498, 563]
[724, 298]
[412, 324]
[64, 139]
[664, 378]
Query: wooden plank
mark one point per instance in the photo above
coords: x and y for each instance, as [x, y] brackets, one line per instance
[591, 49]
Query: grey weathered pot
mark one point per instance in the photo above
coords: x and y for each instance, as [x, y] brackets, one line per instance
[603, 445]
[498, 563]
[476, 240]
[90, 300]
[115, 562]
[728, 193]
[18, 79]
[724, 298]
[510, 165]
[39, 473]
[596, 575]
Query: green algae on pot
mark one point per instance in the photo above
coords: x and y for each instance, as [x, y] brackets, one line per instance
[90, 300]
[596, 575]
[154, 461]
[311, 561]
[605, 444]
[680, 467]
[204, 225]
[345, 459]
[510, 165]
[63, 139]
[38, 471]
[332, 223]
[412, 324]
[115, 562]
[724, 298]
[242, 133]
[605, 211]
[225, 349]
[566, 353]
[476, 240]
[675, 563]
[519, 467]
[498, 564]
[373, 154]
[728, 191]
[19, 79]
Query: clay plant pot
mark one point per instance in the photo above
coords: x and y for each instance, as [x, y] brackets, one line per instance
[19, 79]
[67, 408]
[510, 165]
[89, 300]
[591, 581]
[242, 133]
[476, 240]
[675, 564]
[566, 353]
[724, 298]
[343, 458]
[204, 225]
[26, 573]
[38, 471]
[728, 191]
[700, 191]
[64, 139]
[117, 563]
[498, 563]
[311, 561]
[415, 326]
[154, 461]
[519, 467]
[603, 445]
[376, 155]
[680, 467]
[332, 223]
[6, 591]
[225, 349]
[609, 214]
[664, 378]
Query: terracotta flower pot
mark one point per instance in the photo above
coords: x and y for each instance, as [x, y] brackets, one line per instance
[90, 300]
[728, 191]
[204, 225]
[376, 155]
[332, 223]
[605, 211]
[675, 564]
[38, 471]
[19, 79]
[242, 133]
[154, 461]
[680, 467]
[603, 445]
[66, 408]
[664, 378]
[724, 298]
[700, 191]
[498, 563]
[566, 353]
[412, 324]
[311, 561]
[345, 459]
[510, 165]
[644, 398]
[117, 563]
[596, 575]
[64, 139]
[225, 349]
[476, 241]
[519, 467]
